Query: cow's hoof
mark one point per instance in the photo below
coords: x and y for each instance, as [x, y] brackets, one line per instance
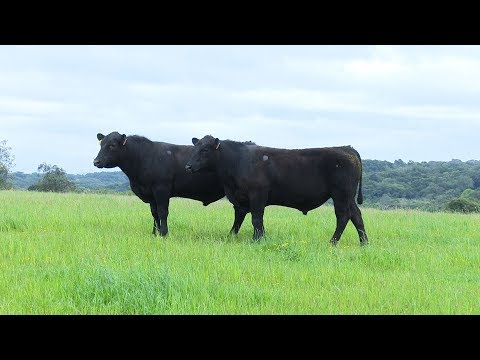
[334, 242]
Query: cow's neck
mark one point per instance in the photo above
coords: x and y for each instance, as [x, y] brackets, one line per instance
[227, 160]
[133, 161]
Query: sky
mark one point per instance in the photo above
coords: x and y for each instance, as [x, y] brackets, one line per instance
[418, 103]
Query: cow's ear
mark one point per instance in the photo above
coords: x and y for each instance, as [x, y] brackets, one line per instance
[217, 143]
[100, 136]
[124, 139]
[194, 141]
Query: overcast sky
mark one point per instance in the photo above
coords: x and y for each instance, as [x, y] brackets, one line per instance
[417, 103]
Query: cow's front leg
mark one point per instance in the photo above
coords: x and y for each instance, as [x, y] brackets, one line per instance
[162, 198]
[156, 220]
[240, 214]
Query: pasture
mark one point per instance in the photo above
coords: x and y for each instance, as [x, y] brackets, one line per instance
[94, 254]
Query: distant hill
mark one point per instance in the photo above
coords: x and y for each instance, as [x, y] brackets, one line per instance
[116, 181]
[425, 185]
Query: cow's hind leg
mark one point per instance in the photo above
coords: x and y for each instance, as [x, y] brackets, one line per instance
[343, 214]
[156, 220]
[358, 222]
[257, 222]
[258, 201]
[240, 214]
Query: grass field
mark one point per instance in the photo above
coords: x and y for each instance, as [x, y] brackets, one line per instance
[94, 254]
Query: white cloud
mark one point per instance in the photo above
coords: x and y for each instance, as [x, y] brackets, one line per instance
[11, 104]
[390, 68]
[304, 99]
[368, 69]
[446, 114]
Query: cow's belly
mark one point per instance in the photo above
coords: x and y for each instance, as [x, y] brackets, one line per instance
[143, 192]
[236, 195]
[303, 201]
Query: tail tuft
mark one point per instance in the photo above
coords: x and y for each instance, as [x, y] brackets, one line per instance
[360, 195]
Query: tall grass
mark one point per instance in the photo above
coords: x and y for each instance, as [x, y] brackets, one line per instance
[94, 254]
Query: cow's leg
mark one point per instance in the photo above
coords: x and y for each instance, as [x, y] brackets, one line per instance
[156, 220]
[257, 222]
[343, 214]
[240, 214]
[358, 222]
[258, 202]
[162, 197]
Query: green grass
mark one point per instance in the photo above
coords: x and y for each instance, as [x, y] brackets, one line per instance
[94, 254]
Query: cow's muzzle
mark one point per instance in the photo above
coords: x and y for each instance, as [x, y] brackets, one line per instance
[188, 168]
[96, 163]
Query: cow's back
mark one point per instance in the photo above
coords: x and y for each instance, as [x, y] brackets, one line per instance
[299, 178]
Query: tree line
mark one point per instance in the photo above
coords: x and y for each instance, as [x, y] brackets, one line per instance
[433, 186]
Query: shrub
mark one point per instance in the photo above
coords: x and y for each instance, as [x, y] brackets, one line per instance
[463, 205]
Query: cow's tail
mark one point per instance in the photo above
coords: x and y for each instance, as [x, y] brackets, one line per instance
[360, 195]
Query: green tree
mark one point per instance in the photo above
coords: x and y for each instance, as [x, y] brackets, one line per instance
[471, 194]
[54, 179]
[463, 205]
[6, 163]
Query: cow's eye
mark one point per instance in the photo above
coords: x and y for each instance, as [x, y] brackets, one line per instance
[204, 151]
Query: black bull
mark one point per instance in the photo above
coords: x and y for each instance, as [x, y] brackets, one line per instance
[304, 179]
[156, 171]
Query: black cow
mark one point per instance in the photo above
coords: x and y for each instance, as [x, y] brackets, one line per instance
[304, 179]
[156, 171]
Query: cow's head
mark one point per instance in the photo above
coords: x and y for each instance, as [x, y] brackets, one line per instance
[204, 155]
[112, 150]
